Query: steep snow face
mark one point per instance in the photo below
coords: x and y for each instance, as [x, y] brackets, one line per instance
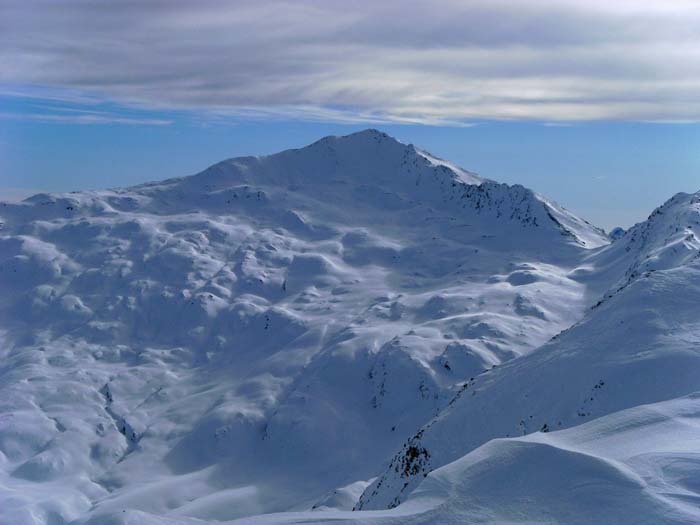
[670, 237]
[263, 335]
[638, 346]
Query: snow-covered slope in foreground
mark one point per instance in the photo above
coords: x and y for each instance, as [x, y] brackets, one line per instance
[635, 466]
[261, 336]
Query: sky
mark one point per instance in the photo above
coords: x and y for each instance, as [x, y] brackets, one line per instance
[594, 104]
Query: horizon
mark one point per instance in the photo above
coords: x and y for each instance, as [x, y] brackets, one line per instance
[619, 206]
[581, 103]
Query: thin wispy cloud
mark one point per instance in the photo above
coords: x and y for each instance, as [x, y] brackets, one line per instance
[83, 119]
[446, 62]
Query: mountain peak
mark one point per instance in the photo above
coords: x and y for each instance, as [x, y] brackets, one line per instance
[367, 157]
[358, 138]
[370, 170]
[371, 132]
[669, 238]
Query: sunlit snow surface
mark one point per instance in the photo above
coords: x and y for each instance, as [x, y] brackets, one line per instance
[318, 329]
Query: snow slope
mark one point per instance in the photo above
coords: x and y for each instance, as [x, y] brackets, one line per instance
[638, 345]
[634, 466]
[265, 336]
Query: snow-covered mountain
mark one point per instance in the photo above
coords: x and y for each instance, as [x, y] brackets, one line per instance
[634, 466]
[638, 345]
[321, 329]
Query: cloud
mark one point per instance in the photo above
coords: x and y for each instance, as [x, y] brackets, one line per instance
[392, 61]
[83, 119]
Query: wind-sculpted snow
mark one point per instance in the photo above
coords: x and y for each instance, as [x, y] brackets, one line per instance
[638, 346]
[264, 335]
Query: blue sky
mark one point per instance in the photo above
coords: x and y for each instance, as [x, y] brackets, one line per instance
[596, 104]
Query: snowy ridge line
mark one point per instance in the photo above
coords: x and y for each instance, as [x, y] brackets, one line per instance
[669, 282]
